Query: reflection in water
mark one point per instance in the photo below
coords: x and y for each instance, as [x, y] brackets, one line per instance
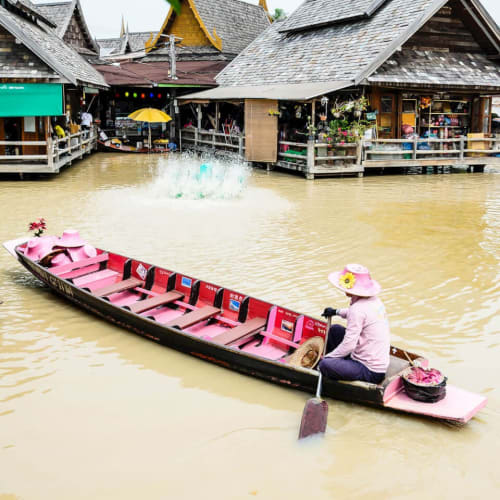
[78, 394]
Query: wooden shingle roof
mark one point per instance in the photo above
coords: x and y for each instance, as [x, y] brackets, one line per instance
[315, 13]
[61, 14]
[339, 52]
[49, 48]
[229, 25]
[456, 69]
[352, 50]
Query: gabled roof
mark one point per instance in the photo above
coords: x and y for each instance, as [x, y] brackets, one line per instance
[48, 47]
[134, 42]
[315, 13]
[229, 25]
[61, 13]
[345, 52]
[27, 7]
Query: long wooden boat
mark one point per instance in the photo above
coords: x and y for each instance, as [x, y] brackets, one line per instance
[109, 147]
[226, 327]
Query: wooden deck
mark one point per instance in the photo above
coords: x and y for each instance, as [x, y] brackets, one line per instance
[314, 159]
[58, 154]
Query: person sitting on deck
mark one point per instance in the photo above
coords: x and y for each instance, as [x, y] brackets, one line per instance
[359, 351]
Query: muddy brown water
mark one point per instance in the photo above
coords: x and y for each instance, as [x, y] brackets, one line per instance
[88, 410]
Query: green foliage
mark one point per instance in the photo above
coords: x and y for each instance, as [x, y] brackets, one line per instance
[176, 5]
[279, 15]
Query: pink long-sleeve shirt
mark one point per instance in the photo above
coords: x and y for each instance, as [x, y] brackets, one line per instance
[367, 335]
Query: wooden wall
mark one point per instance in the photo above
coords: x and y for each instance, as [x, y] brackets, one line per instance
[449, 30]
[75, 34]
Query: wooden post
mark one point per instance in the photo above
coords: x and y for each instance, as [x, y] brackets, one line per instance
[213, 139]
[50, 153]
[198, 108]
[361, 145]
[311, 157]
[196, 137]
[462, 147]
[415, 148]
[240, 146]
[217, 116]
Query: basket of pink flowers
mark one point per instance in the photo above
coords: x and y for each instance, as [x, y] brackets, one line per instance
[426, 385]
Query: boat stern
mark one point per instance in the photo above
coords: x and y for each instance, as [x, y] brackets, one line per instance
[458, 406]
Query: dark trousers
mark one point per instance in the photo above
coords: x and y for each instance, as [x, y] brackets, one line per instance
[345, 368]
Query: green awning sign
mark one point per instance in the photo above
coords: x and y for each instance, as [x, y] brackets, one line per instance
[31, 99]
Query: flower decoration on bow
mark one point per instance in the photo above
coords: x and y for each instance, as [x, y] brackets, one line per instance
[39, 226]
[348, 280]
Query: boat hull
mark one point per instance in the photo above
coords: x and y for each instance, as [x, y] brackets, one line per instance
[255, 366]
[459, 406]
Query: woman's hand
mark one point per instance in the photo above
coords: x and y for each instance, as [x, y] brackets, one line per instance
[329, 312]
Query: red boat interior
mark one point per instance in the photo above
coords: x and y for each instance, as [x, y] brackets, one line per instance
[196, 307]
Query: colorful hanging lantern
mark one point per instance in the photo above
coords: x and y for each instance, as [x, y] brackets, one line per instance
[127, 94]
[159, 96]
[143, 96]
[151, 95]
[135, 95]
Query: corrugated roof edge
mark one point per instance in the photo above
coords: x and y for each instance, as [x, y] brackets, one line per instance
[284, 92]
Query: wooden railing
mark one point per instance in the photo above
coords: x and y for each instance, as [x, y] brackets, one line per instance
[314, 158]
[422, 151]
[57, 153]
[212, 139]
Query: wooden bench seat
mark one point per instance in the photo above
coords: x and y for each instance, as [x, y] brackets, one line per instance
[91, 278]
[121, 286]
[193, 317]
[241, 332]
[153, 302]
[66, 268]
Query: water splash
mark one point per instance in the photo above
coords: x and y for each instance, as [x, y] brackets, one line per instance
[192, 177]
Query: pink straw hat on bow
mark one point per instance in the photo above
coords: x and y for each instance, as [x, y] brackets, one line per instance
[37, 248]
[60, 260]
[82, 253]
[355, 280]
[70, 239]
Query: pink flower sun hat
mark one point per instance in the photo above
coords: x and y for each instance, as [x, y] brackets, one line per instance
[60, 260]
[355, 279]
[70, 239]
[37, 248]
[82, 253]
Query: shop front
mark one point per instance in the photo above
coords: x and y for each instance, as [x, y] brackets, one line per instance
[422, 126]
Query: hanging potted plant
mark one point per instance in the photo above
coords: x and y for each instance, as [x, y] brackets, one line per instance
[338, 110]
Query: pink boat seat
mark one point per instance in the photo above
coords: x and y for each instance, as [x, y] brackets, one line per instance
[97, 277]
[154, 302]
[66, 268]
[193, 317]
[240, 333]
[118, 287]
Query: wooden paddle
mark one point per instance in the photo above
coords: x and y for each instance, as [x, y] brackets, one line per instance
[315, 415]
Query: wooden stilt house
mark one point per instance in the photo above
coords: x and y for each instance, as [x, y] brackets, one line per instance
[428, 68]
[42, 83]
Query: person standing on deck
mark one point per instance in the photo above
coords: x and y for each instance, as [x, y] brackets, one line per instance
[359, 351]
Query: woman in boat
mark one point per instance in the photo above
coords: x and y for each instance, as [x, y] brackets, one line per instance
[359, 351]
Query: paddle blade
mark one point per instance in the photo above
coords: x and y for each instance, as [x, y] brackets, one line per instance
[314, 418]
